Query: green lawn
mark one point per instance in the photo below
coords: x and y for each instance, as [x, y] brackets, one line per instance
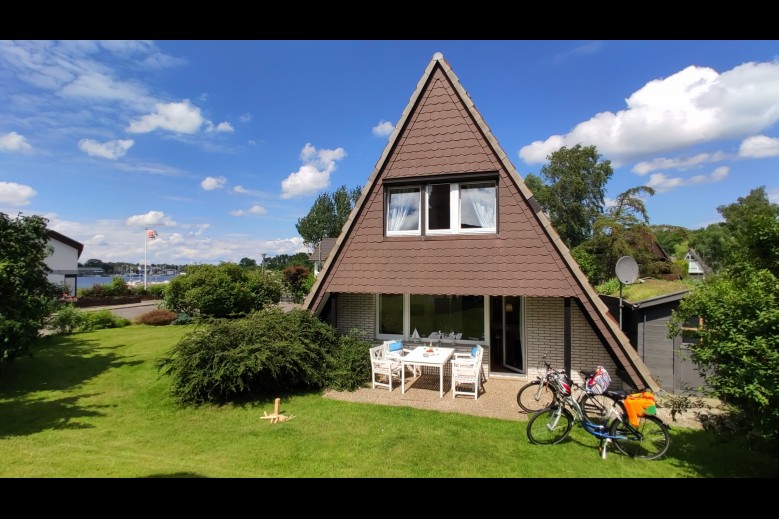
[92, 405]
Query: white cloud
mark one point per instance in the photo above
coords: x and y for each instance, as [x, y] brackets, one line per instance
[211, 183]
[662, 182]
[758, 147]
[314, 175]
[12, 141]
[245, 118]
[693, 106]
[180, 117]
[15, 194]
[383, 129]
[241, 189]
[223, 127]
[107, 150]
[95, 85]
[150, 218]
[773, 196]
[255, 209]
[283, 246]
[642, 168]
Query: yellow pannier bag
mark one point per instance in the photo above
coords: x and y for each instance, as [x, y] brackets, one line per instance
[639, 404]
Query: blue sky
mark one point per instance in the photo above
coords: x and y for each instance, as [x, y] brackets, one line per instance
[220, 146]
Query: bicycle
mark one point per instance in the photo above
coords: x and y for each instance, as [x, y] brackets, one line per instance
[536, 395]
[649, 439]
[539, 394]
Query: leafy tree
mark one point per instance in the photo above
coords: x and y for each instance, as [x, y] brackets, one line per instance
[247, 262]
[224, 290]
[753, 225]
[710, 244]
[672, 238]
[571, 191]
[737, 347]
[27, 295]
[282, 261]
[624, 231]
[327, 216]
[295, 277]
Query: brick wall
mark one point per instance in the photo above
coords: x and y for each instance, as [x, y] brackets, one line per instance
[544, 334]
[357, 311]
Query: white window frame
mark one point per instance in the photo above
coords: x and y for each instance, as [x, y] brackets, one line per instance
[418, 230]
[454, 210]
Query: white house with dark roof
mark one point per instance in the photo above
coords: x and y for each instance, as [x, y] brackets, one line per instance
[63, 261]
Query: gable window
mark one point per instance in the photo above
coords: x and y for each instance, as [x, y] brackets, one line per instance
[403, 211]
[477, 207]
[461, 208]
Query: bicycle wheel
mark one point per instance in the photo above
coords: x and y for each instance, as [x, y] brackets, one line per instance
[648, 441]
[597, 408]
[534, 396]
[550, 426]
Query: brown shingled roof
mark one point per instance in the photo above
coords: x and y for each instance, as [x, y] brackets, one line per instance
[440, 133]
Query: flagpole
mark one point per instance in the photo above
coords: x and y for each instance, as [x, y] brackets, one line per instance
[145, 240]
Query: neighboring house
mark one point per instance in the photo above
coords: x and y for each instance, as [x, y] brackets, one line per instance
[697, 268]
[320, 253]
[646, 325]
[447, 236]
[63, 261]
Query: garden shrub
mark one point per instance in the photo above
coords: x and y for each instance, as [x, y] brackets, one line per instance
[264, 353]
[224, 290]
[100, 320]
[349, 366]
[69, 319]
[182, 318]
[157, 317]
[66, 320]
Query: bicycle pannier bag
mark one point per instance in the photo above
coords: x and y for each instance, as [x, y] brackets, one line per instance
[599, 382]
[639, 404]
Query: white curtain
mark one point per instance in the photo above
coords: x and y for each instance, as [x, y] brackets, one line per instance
[481, 200]
[402, 205]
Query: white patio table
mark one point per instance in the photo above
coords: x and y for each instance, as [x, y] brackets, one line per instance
[420, 356]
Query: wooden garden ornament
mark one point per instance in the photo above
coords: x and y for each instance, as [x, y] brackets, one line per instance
[276, 417]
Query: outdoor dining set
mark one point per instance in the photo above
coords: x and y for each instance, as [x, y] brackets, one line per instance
[391, 360]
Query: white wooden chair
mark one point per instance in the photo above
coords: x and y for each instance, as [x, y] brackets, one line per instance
[394, 350]
[383, 369]
[466, 372]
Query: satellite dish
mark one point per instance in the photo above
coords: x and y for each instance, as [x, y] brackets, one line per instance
[626, 270]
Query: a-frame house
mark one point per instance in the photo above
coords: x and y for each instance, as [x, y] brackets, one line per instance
[446, 237]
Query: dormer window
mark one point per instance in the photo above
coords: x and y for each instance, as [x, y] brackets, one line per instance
[450, 208]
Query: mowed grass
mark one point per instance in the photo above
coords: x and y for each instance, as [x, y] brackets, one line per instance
[93, 405]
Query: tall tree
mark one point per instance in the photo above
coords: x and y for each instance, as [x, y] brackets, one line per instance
[753, 225]
[571, 190]
[247, 262]
[26, 296]
[328, 215]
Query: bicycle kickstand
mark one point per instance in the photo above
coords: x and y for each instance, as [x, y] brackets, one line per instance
[604, 444]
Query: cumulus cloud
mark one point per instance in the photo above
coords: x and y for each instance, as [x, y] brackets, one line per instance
[383, 129]
[283, 245]
[662, 182]
[16, 195]
[223, 127]
[181, 117]
[758, 147]
[211, 183]
[314, 175]
[642, 168]
[107, 150]
[12, 141]
[693, 106]
[150, 218]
